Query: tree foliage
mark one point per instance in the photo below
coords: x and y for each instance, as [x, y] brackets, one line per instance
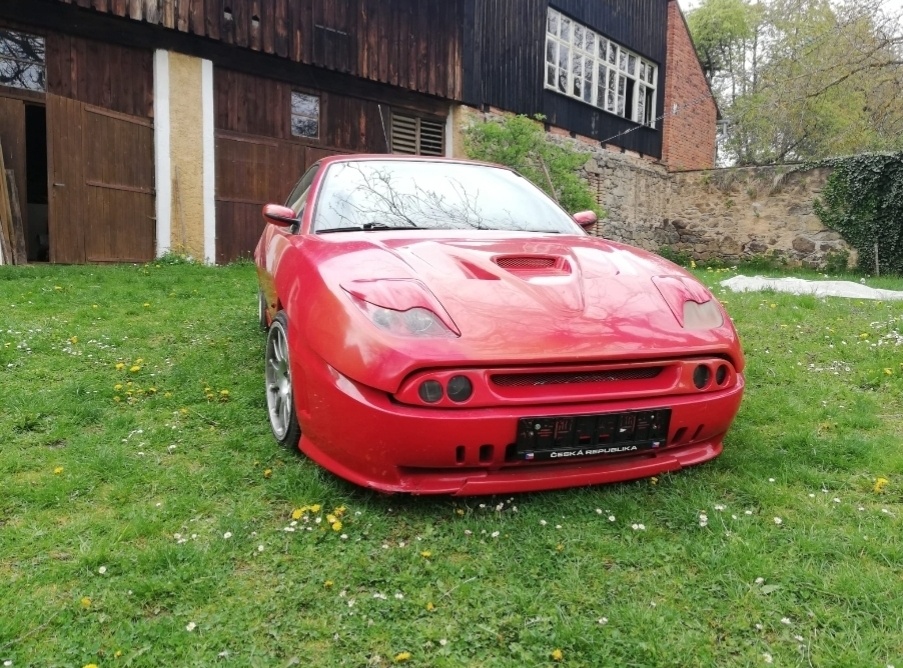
[863, 200]
[801, 80]
[522, 144]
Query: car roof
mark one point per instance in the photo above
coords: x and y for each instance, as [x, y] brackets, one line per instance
[396, 157]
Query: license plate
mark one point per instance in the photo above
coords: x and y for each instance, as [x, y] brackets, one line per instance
[603, 434]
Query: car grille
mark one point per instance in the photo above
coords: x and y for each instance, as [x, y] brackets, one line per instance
[567, 378]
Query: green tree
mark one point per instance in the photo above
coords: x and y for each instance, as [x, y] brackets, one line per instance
[802, 80]
[522, 144]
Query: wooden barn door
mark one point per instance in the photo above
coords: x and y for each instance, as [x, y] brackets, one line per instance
[101, 178]
[252, 171]
[12, 138]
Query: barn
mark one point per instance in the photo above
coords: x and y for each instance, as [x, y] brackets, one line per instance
[136, 127]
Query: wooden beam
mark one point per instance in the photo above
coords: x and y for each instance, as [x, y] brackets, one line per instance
[6, 245]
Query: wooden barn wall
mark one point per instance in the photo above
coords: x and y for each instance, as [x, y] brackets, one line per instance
[105, 75]
[505, 61]
[412, 44]
[258, 106]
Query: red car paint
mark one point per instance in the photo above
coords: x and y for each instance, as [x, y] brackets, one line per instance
[542, 325]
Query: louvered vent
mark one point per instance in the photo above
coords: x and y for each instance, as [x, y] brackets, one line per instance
[412, 135]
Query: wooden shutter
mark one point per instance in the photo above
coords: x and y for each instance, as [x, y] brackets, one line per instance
[413, 135]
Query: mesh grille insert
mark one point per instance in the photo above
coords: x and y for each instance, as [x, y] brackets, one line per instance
[514, 262]
[566, 378]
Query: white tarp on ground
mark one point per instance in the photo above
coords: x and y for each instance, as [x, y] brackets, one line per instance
[799, 286]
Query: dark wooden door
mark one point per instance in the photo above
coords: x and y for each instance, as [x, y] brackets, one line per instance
[101, 177]
[65, 180]
[252, 171]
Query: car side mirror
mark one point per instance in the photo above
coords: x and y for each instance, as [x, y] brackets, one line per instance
[586, 219]
[279, 215]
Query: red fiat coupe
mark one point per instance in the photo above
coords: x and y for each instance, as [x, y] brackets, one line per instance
[443, 327]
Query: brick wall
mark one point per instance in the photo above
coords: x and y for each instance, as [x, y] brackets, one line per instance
[689, 132]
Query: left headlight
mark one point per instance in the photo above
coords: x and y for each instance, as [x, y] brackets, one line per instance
[417, 321]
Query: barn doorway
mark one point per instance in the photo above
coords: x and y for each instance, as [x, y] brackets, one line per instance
[37, 233]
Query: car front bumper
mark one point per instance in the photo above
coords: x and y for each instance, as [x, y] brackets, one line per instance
[365, 436]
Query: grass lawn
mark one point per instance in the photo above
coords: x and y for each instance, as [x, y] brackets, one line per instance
[148, 519]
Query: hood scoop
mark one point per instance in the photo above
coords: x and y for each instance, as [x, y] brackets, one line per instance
[534, 265]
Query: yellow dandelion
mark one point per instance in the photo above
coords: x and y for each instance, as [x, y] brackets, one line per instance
[117, 653]
[430, 607]
[459, 511]
[57, 470]
[207, 389]
[557, 655]
[135, 368]
[401, 657]
[336, 526]
[267, 473]
[90, 665]
[653, 480]
[880, 484]
[120, 366]
[328, 584]
[315, 508]
[340, 511]
[332, 519]
[117, 399]
[86, 602]
[57, 287]
[152, 390]
[74, 339]
[864, 335]
[183, 411]
[692, 264]
[773, 305]
[167, 395]
[888, 372]
[117, 386]
[559, 548]
[224, 393]
[297, 513]
[94, 306]
[426, 554]
[146, 305]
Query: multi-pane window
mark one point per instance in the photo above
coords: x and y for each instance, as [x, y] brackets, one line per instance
[22, 60]
[583, 64]
[305, 115]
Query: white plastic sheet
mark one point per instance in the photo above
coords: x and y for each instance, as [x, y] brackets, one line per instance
[799, 286]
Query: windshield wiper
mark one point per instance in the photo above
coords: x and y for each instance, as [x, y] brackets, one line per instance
[369, 227]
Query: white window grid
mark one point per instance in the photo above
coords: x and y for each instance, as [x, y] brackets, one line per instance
[589, 67]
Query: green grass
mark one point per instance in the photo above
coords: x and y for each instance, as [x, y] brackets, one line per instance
[114, 514]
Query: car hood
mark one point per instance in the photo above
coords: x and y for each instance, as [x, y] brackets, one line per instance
[518, 298]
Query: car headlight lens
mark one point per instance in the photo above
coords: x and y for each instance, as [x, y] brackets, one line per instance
[702, 316]
[418, 321]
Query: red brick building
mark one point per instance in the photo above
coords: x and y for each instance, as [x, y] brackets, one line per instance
[688, 129]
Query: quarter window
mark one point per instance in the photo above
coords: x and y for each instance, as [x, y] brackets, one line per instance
[22, 60]
[586, 66]
[305, 115]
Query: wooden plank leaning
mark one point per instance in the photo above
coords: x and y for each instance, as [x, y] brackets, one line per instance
[19, 251]
[6, 247]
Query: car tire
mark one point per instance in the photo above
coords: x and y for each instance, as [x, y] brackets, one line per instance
[262, 311]
[279, 390]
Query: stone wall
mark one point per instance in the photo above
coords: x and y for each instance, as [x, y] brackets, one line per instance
[739, 213]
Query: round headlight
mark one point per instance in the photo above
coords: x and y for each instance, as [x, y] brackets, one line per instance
[460, 388]
[430, 391]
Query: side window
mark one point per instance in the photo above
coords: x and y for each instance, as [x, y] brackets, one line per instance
[298, 198]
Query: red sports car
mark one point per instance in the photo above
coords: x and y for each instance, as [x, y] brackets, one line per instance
[443, 327]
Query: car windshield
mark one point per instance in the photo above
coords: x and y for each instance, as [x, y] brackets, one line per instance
[417, 194]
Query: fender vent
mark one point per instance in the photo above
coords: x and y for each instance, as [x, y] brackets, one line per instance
[558, 378]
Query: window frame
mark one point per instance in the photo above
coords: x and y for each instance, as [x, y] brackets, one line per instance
[41, 64]
[293, 115]
[585, 65]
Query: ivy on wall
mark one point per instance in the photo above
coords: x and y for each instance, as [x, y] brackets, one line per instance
[863, 201]
[522, 144]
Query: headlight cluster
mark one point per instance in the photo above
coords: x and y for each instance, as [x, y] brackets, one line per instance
[416, 321]
[458, 389]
